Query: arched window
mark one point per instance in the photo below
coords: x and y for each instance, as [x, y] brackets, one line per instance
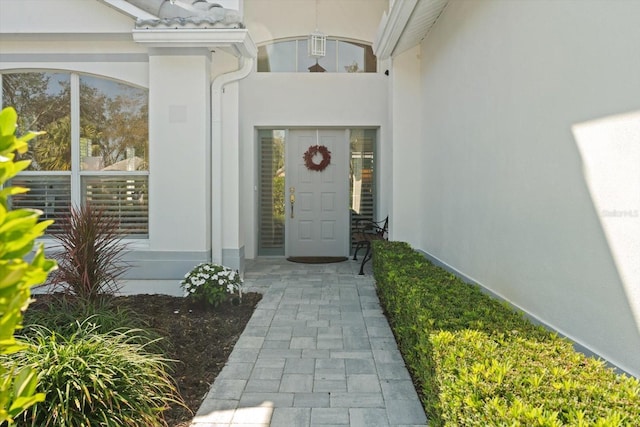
[291, 56]
[95, 149]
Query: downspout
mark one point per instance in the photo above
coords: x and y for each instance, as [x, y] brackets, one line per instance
[217, 89]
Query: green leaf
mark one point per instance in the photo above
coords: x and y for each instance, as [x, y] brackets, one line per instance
[10, 191]
[18, 231]
[25, 382]
[24, 402]
[8, 122]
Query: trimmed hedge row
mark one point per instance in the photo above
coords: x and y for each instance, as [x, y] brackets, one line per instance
[478, 362]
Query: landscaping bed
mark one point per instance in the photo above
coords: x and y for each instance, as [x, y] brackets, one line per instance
[477, 362]
[199, 338]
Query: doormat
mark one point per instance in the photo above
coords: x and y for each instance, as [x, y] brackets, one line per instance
[316, 259]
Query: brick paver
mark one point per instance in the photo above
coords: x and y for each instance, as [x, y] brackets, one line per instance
[317, 352]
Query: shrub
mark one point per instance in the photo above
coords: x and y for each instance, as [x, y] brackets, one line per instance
[92, 378]
[61, 313]
[90, 258]
[211, 283]
[442, 325]
[490, 380]
[18, 230]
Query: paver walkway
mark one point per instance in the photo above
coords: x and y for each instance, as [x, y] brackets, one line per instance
[317, 351]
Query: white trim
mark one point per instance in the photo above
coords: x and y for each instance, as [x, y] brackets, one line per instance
[237, 41]
[76, 194]
[406, 25]
[217, 86]
[73, 57]
[128, 9]
[391, 28]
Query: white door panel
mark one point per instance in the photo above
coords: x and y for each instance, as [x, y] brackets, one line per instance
[318, 218]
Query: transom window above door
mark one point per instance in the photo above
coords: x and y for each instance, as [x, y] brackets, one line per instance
[292, 56]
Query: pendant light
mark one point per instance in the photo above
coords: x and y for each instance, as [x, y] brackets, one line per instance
[317, 44]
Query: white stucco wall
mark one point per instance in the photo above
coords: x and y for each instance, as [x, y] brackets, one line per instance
[276, 19]
[89, 37]
[70, 35]
[406, 207]
[233, 232]
[313, 100]
[179, 150]
[529, 147]
[61, 17]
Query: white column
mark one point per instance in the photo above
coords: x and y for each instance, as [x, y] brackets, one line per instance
[179, 150]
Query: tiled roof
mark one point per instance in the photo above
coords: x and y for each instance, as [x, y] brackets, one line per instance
[189, 22]
[186, 14]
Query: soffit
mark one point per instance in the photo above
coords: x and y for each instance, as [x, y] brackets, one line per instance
[406, 25]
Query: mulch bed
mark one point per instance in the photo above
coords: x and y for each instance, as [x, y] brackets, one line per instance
[199, 338]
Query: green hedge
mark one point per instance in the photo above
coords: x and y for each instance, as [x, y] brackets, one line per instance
[479, 362]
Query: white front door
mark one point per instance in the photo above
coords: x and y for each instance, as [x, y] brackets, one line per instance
[317, 202]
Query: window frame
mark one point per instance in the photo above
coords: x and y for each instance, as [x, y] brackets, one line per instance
[263, 55]
[76, 174]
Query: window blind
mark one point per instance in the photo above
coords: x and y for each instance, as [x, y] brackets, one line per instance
[49, 193]
[362, 178]
[271, 227]
[125, 197]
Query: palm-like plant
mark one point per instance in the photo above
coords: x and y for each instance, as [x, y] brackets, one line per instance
[90, 259]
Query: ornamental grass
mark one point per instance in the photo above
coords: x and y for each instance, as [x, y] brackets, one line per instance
[96, 378]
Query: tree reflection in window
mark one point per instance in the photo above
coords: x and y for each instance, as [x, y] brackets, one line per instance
[43, 103]
[111, 147]
[113, 125]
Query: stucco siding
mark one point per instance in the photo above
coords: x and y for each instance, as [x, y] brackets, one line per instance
[306, 99]
[277, 19]
[179, 150]
[61, 17]
[406, 216]
[88, 37]
[285, 100]
[509, 193]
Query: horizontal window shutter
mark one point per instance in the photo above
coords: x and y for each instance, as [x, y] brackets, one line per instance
[50, 194]
[271, 228]
[126, 197]
[363, 165]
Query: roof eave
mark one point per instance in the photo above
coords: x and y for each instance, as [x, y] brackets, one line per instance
[236, 41]
[406, 25]
[128, 9]
[391, 28]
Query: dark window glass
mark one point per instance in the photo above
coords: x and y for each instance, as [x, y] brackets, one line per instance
[114, 127]
[43, 103]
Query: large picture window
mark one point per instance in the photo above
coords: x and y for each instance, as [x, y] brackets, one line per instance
[95, 149]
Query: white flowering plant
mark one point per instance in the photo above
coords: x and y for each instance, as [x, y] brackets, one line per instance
[211, 283]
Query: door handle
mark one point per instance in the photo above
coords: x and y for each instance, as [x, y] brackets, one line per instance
[292, 198]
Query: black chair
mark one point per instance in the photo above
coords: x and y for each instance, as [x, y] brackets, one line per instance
[367, 231]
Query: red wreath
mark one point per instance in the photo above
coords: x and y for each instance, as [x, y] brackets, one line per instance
[310, 154]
